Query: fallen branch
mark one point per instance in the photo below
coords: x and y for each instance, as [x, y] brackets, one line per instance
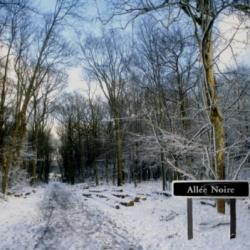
[163, 194]
[208, 204]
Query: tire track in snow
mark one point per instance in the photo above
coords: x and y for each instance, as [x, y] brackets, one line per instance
[70, 224]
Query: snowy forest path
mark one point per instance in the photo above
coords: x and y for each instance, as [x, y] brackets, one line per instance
[71, 224]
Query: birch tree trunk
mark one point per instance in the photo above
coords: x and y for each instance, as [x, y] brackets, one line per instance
[215, 115]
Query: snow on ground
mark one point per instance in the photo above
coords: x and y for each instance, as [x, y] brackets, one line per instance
[60, 216]
[19, 215]
[55, 218]
[160, 222]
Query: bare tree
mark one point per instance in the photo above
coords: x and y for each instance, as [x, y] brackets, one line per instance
[107, 62]
[42, 107]
[38, 50]
[202, 15]
[79, 131]
[14, 17]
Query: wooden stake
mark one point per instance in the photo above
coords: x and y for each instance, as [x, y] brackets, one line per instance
[190, 218]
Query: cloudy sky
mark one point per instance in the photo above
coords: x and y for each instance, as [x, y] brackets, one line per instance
[229, 26]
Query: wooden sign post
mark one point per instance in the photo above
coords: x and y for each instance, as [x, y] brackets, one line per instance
[190, 218]
[211, 189]
[232, 218]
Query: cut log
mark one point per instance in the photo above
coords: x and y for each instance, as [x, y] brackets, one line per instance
[102, 196]
[87, 195]
[122, 196]
[97, 191]
[118, 190]
[136, 199]
[18, 195]
[127, 203]
[85, 186]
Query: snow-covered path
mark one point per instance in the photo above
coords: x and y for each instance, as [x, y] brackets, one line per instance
[65, 222]
[72, 225]
[85, 217]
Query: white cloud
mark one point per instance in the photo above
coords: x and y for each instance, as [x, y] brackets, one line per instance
[76, 82]
[233, 43]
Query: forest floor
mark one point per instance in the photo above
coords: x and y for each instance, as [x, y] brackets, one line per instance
[61, 216]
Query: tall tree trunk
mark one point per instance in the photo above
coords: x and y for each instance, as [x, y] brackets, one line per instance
[107, 169]
[47, 169]
[8, 157]
[130, 175]
[119, 153]
[96, 173]
[34, 160]
[215, 114]
[135, 164]
[5, 172]
[114, 172]
[34, 142]
[163, 171]
[33, 171]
